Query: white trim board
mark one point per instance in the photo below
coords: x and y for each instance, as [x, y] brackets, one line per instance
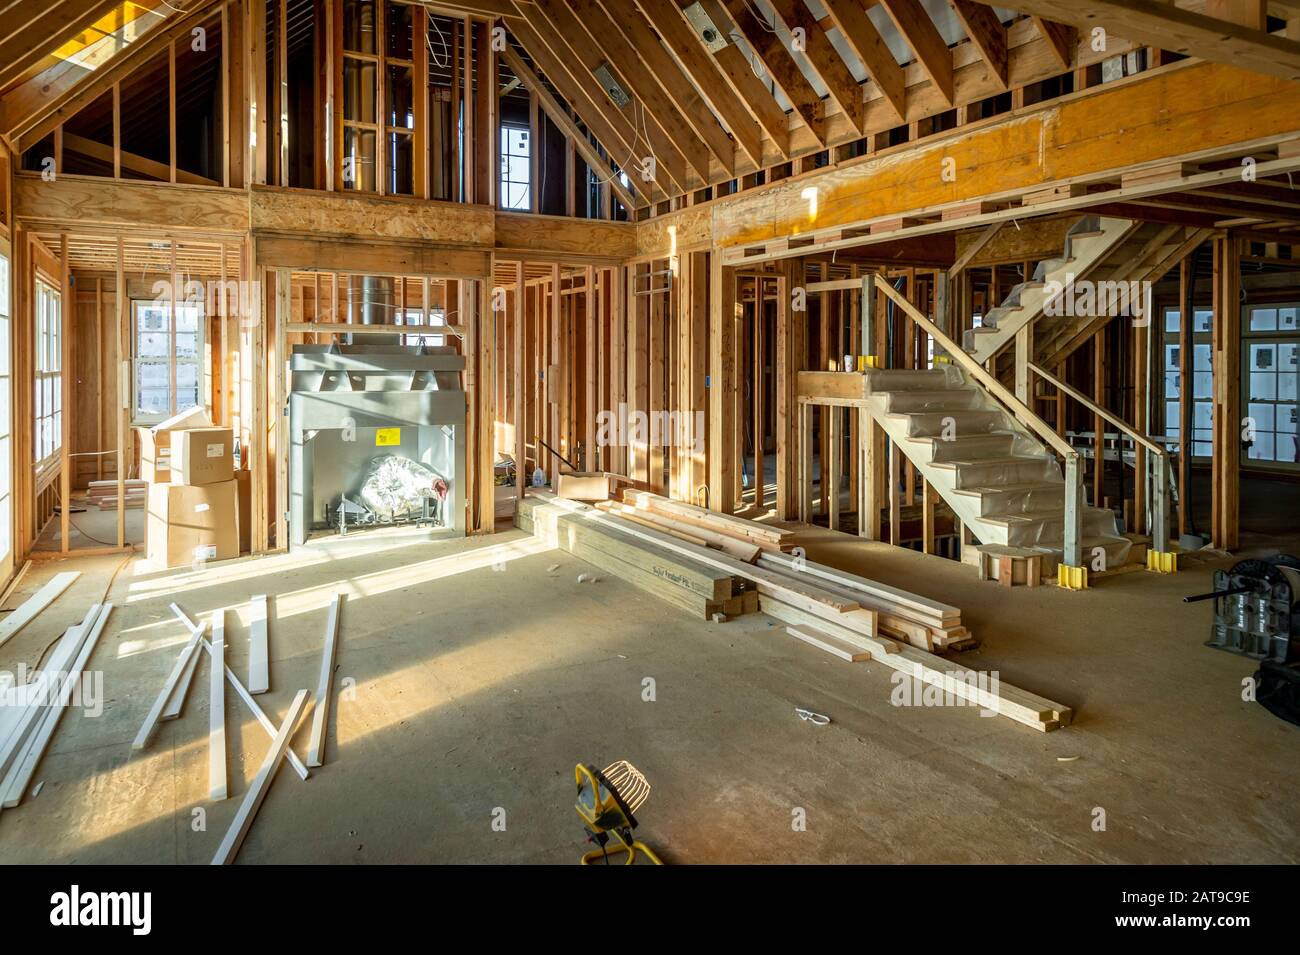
[33, 605]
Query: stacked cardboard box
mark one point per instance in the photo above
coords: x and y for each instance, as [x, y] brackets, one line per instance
[194, 497]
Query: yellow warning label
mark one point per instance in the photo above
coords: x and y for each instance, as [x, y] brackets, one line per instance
[386, 437]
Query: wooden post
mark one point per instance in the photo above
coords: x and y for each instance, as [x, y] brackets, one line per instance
[833, 464]
[66, 320]
[1227, 391]
[591, 359]
[521, 464]
[722, 384]
[122, 402]
[1186, 383]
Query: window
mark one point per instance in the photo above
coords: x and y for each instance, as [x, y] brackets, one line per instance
[1270, 350]
[436, 317]
[1202, 380]
[168, 362]
[6, 437]
[516, 192]
[48, 405]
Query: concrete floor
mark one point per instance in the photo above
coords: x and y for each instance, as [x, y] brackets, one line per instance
[481, 676]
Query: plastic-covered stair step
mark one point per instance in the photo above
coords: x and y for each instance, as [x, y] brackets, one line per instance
[956, 423]
[972, 447]
[1017, 498]
[914, 402]
[902, 379]
[1012, 469]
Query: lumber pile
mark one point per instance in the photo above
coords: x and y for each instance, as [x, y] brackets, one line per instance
[848, 616]
[763, 536]
[615, 547]
[103, 494]
[30, 712]
[928, 624]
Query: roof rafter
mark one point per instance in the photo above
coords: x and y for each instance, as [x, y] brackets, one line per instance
[561, 119]
[551, 53]
[87, 88]
[987, 32]
[630, 39]
[31, 31]
[591, 114]
[841, 85]
[672, 143]
[745, 97]
[924, 39]
[1061, 40]
[850, 17]
[780, 66]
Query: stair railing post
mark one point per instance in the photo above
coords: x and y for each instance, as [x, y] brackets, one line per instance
[1072, 573]
[1159, 557]
[868, 307]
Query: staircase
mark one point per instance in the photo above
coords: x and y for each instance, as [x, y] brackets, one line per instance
[996, 475]
[1088, 244]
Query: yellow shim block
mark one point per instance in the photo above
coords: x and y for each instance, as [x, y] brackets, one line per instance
[1162, 562]
[1072, 578]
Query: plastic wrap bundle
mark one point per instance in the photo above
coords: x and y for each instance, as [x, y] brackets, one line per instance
[396, 485]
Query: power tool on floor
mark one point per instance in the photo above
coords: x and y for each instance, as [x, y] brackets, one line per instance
[1257, 614]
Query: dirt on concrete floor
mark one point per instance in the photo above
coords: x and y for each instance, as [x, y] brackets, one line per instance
[473, 675]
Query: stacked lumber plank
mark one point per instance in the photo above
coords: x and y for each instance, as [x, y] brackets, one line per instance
[764, 536]
[103, 494]
[832, 610]
[688, 584]
[928, 624]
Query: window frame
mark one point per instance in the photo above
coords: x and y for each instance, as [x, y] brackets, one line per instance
[140, 419]
[47, 367]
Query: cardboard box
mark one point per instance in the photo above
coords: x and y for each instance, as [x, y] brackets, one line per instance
[156, 443]
[185, 524]
[203, 455]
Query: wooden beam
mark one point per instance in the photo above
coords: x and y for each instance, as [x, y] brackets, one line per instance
[668, 129]
[560, 117]
[31, 31]
[780, 66]
[1168, 27]
[986, 32]
[826, 62]
[850, 17]
[1061, 40]
[553, 52]
[924, 39]
[627, 39]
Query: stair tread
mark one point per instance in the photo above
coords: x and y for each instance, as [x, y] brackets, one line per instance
[1002, 459]
[1013, 488]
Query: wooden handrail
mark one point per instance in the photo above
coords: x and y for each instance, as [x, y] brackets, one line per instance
[1024, 414]
[1097, 410]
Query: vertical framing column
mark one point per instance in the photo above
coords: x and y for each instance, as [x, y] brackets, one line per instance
[1226, 339]
[123, 406]
[590, 360]
[521, 425]
[722, 384]
[67, 320]
[790, 342]
[638, 312]
[486, 425]
[279, 369]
